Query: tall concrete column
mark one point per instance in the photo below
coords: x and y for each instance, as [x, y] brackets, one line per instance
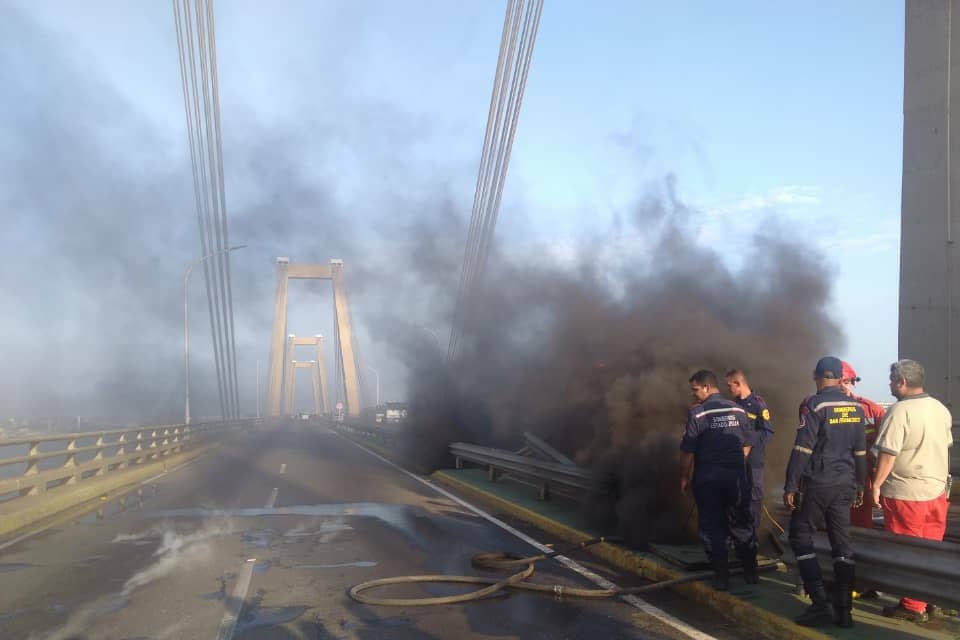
[315, 379]
[277, 346]
[322, 372]
[289, 376]
[930, 220]
[349, 363]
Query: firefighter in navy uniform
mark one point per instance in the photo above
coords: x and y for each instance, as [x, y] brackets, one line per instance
[825, 475]
[714, 448]
[759, 416]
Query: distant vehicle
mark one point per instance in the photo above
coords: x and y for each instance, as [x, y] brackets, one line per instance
[379, 417]
[395, 412]
[304, 416]
[338, 412]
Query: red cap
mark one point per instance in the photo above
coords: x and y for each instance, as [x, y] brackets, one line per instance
[849, 373]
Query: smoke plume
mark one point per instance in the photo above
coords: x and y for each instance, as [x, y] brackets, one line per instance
[593, 353]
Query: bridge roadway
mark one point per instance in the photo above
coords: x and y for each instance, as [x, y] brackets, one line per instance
[278, 524]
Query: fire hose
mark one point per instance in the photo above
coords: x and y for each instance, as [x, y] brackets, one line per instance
[500, 561]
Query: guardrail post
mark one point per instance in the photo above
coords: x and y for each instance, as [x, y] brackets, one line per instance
[121, 450]
[32, 470]
[99, 457]
[165, 441]
[543, 492]
[71, 461]
[139, 447]
[458, 462]
[492, 473]
[176, 440]
[153, 444]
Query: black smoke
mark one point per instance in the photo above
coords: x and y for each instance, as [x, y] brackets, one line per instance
[594, 353]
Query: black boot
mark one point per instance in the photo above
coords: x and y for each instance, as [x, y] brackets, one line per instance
[818, 614]
[721, 571]
[748, 559]
[843, 572]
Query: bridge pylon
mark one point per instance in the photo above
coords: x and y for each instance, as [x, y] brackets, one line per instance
[345, 354]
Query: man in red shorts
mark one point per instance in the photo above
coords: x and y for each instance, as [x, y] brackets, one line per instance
[862, 516]
[913, 466]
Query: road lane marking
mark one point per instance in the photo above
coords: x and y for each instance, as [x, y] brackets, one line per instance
[600, 581]
[272, 500]
[283, 468]
[235, 606]
[228, 625]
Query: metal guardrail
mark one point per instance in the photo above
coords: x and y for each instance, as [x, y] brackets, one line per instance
[544, 474]
[924, 569]
[94, 453]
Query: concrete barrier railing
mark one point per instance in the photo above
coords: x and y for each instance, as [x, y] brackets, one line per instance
[35, 464]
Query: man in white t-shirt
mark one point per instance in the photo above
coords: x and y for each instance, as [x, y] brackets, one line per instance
[913, 463]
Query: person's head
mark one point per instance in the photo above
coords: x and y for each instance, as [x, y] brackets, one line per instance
[737, 384]
[828, 372]
[906, 378]
[703, 384]
[849, 378]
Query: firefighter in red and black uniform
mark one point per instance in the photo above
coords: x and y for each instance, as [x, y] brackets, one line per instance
[862, 516]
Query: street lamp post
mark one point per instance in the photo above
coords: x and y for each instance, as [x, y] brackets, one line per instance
[376, 373]
[186, 324]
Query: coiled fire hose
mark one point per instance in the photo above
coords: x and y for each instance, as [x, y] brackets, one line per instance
[516, 581]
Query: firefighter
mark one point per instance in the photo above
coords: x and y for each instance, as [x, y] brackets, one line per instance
[714, 448]
[826, 473]
[759, 415]
[862, 516]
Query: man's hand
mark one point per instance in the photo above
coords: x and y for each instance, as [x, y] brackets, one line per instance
[684, 484]
[788, 500]
[858, 498]
[875, 495]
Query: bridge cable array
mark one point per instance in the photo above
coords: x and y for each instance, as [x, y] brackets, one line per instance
[197, 50]
[520, 26]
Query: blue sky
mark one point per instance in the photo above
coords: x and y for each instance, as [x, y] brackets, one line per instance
[763, 111]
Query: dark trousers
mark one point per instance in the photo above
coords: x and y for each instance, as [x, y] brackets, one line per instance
[756, 496]
[821, 504]
[723, 504]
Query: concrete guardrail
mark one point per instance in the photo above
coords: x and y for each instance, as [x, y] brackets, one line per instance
[95, 453]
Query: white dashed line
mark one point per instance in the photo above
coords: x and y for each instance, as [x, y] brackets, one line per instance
[235, 607]
[272, 501]
[283, 468]
[229, 623]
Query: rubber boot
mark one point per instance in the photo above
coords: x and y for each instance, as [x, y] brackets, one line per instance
[748, 559]
[721, 571]
[818, 614]
[843, 593]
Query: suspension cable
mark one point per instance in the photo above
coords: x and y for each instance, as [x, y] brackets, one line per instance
[520, 26]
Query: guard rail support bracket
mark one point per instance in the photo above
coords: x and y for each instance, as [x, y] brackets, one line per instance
[544, 491]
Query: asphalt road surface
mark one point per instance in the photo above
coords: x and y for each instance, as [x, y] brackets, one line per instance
[262, 539]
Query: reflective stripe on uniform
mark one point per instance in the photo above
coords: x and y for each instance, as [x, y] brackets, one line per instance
[802, 449]
[836, 404]
[807, 556]
[723, 410]
[844, 559]
[752, 416]
[859, 453]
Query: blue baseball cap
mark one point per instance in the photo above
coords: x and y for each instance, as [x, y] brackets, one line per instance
[829, 367]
